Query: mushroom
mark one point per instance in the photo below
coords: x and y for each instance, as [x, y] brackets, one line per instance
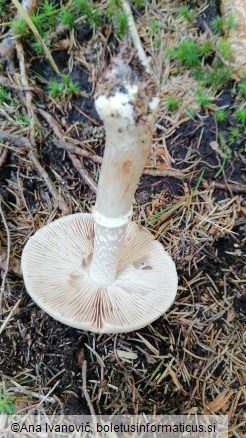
[102, 272]
[237, 35]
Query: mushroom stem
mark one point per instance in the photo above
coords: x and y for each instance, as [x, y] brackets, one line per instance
[126, 102]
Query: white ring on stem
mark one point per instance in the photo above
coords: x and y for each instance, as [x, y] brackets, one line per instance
[111, 222]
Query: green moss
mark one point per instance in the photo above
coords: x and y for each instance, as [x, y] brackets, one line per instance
[7, 405]
[4, 95]
[187, 13]
[121, 24]
[242, 86]
[220, 115]
[67, 18]
[224, 49]
[93, 17]
[55, 89]
[2, 5]
[219, 77]
[187, 53]
[203, 99]
[37, 47]
[234, 135]
[23, 118]
[154, 26]
[113, 7]
[19, 27]
[73, 88]
[222, 25]
[206, 49]
[62, 87]
[240, 115]
[138, 3]
[172, 103]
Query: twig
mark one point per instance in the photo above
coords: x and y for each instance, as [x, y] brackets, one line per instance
[83, 172]
[236, 188]
[84, 387]
[6, 83]
[51, 186]
[3, 156]
[134, 35]
[77, 163]
[86, 394]
[33, 152]
[17, 140]
[25, 83]
[70, 147]
[11, 313]
[8, 255]
[40, 397]
[166, 172]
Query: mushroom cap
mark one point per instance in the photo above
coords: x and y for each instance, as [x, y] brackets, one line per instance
[55, 265]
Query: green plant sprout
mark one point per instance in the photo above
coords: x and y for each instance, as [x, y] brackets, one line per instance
[23, 118]
[227, 151]
[118, 17]
[242, 86]
[93, 17]
[230, 21]
[154, 26]
[4, 96]
[220, 115]
[113, 7]
[68, 85]
[19, 27]
[37, 47]
[55, 89]
[62, 87]
[216, 78]
[38, 22]
[65, 79]
[157, 43]
[48, 7]
[187, 53]
[234, 135]
[224, 49]
[200, 75]
[73, 88]
[138, 3]
[240, 115]
[6, 404]
[67, 18]
[172, 103]
[191, 113]
[203, 99]
[206, 49]
[2, 6]
[242, 89]
[219, 76]
[222, 25]
[187, 13]
[121, 24]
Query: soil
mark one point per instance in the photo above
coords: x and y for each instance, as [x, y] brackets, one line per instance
[40, 353]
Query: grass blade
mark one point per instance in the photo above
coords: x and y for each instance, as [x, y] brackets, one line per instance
[29, 22]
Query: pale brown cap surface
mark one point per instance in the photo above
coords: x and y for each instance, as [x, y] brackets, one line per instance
[55, 264]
